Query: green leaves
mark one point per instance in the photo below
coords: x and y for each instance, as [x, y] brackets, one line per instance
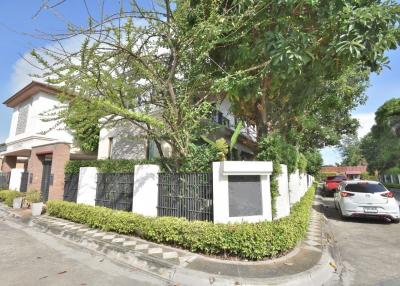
[381, 146]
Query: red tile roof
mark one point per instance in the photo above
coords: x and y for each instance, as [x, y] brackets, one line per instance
[344, 169]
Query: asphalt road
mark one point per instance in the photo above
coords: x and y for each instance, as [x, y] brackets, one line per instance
[367, 249]
[32, 258]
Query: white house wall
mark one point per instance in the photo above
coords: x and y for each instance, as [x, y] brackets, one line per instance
[126, 143]
[39, 104]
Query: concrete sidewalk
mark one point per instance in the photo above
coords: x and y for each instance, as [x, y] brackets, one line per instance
[308, 264]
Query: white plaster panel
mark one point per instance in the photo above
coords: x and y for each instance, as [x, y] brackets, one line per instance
[145, 190]
[87, 186]
[246, 168]
[221, 192]
[40, 104]
[15, 179]
[282, 201]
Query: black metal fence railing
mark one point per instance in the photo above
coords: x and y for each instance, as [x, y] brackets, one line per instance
[115, 190]
[188, 195]
[71, 187]
[4, 180]
[24, 182]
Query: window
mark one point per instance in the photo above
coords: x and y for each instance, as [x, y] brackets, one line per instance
[110, 147]
[152, 151]
[22, 119]
[365, 188]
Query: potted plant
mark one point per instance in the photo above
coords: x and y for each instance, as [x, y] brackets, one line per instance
[17, 200]
[35, 202]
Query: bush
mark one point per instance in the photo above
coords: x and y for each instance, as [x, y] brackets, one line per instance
[8, 196]
[244, 240]
[105, 166]
[33, 197]
[392, 186]
[367, 176]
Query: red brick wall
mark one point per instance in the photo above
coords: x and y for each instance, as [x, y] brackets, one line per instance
[61, 154]
[9, 162]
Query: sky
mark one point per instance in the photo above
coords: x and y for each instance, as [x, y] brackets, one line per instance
[20, 24]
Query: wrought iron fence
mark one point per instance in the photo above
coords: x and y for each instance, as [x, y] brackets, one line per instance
[71, 187]
[4, 180]
[24, 182]
[188, 195]
[115, 190]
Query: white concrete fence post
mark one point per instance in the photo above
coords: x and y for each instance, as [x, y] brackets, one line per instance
[231, 199]
[87, 186]
[282, 201]
[15, 179]
[145, 190]
[294, 186]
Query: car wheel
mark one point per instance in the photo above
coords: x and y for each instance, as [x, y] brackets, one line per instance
[341, 214]
[396, 220]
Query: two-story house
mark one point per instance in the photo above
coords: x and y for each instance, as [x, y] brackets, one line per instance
[37, 144]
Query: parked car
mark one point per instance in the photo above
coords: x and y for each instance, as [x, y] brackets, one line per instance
[332, 183]
[366, 199]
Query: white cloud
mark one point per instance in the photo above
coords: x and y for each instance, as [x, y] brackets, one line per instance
[367, 120]
[25, 67]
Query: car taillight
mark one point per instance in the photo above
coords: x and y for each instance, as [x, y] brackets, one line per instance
[388, 195]
[346, 194]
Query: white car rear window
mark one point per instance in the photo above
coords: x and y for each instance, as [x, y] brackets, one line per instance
[365, 188]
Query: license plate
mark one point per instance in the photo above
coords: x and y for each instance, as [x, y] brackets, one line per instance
[370, 210]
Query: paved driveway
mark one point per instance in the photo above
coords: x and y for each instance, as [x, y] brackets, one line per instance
[369, 250]
[28, 257]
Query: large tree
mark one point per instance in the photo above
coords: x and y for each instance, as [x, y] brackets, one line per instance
[275, 58]
[293, 67]
[351, 151]
[136, 67]
[381, 146]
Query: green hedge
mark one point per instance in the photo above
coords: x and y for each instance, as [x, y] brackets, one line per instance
[392, 186]
[105, 166]
[245, 240]
[8, 196]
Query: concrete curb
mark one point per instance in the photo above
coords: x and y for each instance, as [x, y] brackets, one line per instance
[174, 271]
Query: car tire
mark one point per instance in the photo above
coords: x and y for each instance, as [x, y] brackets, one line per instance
[396, 220]
[341, 214]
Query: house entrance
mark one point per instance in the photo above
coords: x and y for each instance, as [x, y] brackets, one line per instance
[46, 177]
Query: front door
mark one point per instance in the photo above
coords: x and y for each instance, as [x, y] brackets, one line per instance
[46, 178]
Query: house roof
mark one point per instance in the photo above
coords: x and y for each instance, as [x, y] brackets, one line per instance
[31, 89]
[344, 169]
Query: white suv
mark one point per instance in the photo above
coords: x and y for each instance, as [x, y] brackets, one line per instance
[366, 199]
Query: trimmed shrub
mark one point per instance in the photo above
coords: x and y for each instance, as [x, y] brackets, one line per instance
[392, 186]
[8, 196]
[244, 240]
[105, 166]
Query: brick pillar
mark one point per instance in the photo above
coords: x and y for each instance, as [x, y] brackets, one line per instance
[9, 162]
[35, 169]
[61, 154]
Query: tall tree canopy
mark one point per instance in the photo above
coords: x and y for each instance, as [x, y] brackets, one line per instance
[381, 147]
[351, 151]
[275, 58]
[292, 67]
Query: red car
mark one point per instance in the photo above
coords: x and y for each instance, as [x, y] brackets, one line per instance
[332, 183]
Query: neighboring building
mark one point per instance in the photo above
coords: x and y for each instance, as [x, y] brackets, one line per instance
[352, 172]
[36, 145]
[124, 140]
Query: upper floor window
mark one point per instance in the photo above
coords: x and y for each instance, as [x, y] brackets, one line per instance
[22, 119]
